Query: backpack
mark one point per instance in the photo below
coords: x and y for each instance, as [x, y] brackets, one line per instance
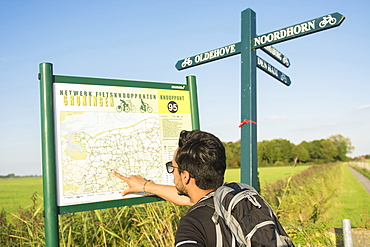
[243, 218]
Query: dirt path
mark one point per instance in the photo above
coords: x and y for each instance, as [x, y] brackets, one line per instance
[364, 180]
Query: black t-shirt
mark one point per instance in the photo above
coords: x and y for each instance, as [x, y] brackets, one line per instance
[197, 228]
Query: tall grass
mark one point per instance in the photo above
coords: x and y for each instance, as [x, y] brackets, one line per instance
[152, 224]
[306, 203]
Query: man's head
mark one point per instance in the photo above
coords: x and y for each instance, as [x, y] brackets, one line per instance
[202, 155]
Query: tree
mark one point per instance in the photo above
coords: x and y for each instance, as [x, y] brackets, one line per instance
[343, 146]
[277, 151]
[328, 151]
[301, 153]
[232, 150]
[266, 153]
[285, 147]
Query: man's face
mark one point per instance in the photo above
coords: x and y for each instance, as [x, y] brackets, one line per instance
[181, 190]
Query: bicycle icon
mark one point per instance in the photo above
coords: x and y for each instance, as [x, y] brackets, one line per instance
[286, 61]
[125, 107]
[145, 107]
[283, 78]
[327, 19]
[187, 62]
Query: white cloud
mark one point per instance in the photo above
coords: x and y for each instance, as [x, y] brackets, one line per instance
[273, 117]
[363, 107]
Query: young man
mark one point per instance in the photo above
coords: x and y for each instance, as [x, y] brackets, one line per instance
[198, 166]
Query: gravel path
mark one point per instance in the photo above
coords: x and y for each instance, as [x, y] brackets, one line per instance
[364, 180]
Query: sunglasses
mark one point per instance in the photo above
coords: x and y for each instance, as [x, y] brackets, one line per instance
[169, 167]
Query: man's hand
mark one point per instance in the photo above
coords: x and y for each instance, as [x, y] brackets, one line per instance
[167, 192]
[135, 183]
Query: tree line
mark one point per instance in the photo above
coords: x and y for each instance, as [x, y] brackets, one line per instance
[280, 152]
[12, 175]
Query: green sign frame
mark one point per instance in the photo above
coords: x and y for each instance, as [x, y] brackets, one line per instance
[49, 151]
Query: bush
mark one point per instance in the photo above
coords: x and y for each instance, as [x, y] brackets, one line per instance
[151, 224]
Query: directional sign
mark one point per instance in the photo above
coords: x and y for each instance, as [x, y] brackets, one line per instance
[274, 72]
[295, 31]
[247, 47]
[277, 55]
[208, 56]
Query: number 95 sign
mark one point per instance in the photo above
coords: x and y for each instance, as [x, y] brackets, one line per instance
[172, 106]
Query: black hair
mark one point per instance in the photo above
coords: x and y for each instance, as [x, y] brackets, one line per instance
[203, 155]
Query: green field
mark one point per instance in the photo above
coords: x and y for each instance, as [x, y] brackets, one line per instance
[266, 174]
[17, 192]
[351, 201]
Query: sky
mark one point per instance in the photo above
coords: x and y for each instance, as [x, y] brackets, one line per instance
[143, 40]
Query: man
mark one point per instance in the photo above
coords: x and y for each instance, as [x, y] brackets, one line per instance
[198, 166]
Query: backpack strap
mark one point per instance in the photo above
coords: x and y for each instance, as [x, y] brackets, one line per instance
[215, 218]
[203, 202]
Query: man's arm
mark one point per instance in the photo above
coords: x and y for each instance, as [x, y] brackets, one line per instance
[167, 192]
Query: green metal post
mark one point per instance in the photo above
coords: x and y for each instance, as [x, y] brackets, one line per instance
[248, 147]
[48, 155]
[192, 83]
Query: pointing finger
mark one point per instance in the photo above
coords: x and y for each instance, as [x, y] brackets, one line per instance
[120, 176]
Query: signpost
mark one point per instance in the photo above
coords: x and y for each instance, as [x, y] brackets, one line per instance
[247, 47]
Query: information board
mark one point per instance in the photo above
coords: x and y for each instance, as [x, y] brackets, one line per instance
[103, 125]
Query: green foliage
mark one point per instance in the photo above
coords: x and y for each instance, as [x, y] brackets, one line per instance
[232, 150]
[277, 152]
[343, 147]
[301, 153]
[26, 227]
[151, 224]
[281, 152]
[307, 203]
[310, 202]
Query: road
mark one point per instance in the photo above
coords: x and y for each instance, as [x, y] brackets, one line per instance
[364, 180]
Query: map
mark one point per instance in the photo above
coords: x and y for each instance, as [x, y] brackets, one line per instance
[93, 144]
[101, 129]
[115, 144]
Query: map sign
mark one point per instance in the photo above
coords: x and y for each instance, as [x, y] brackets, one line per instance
[100, 129]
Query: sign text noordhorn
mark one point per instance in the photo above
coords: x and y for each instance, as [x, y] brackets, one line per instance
[295, 31]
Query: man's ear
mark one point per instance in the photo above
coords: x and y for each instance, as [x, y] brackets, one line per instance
[185, 175]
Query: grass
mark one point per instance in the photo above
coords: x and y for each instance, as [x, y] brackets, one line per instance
[15, 193]
[267, 175]
[307, 203]
[351, 201]
[321, 196]
[330, 192]
[362, 170]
